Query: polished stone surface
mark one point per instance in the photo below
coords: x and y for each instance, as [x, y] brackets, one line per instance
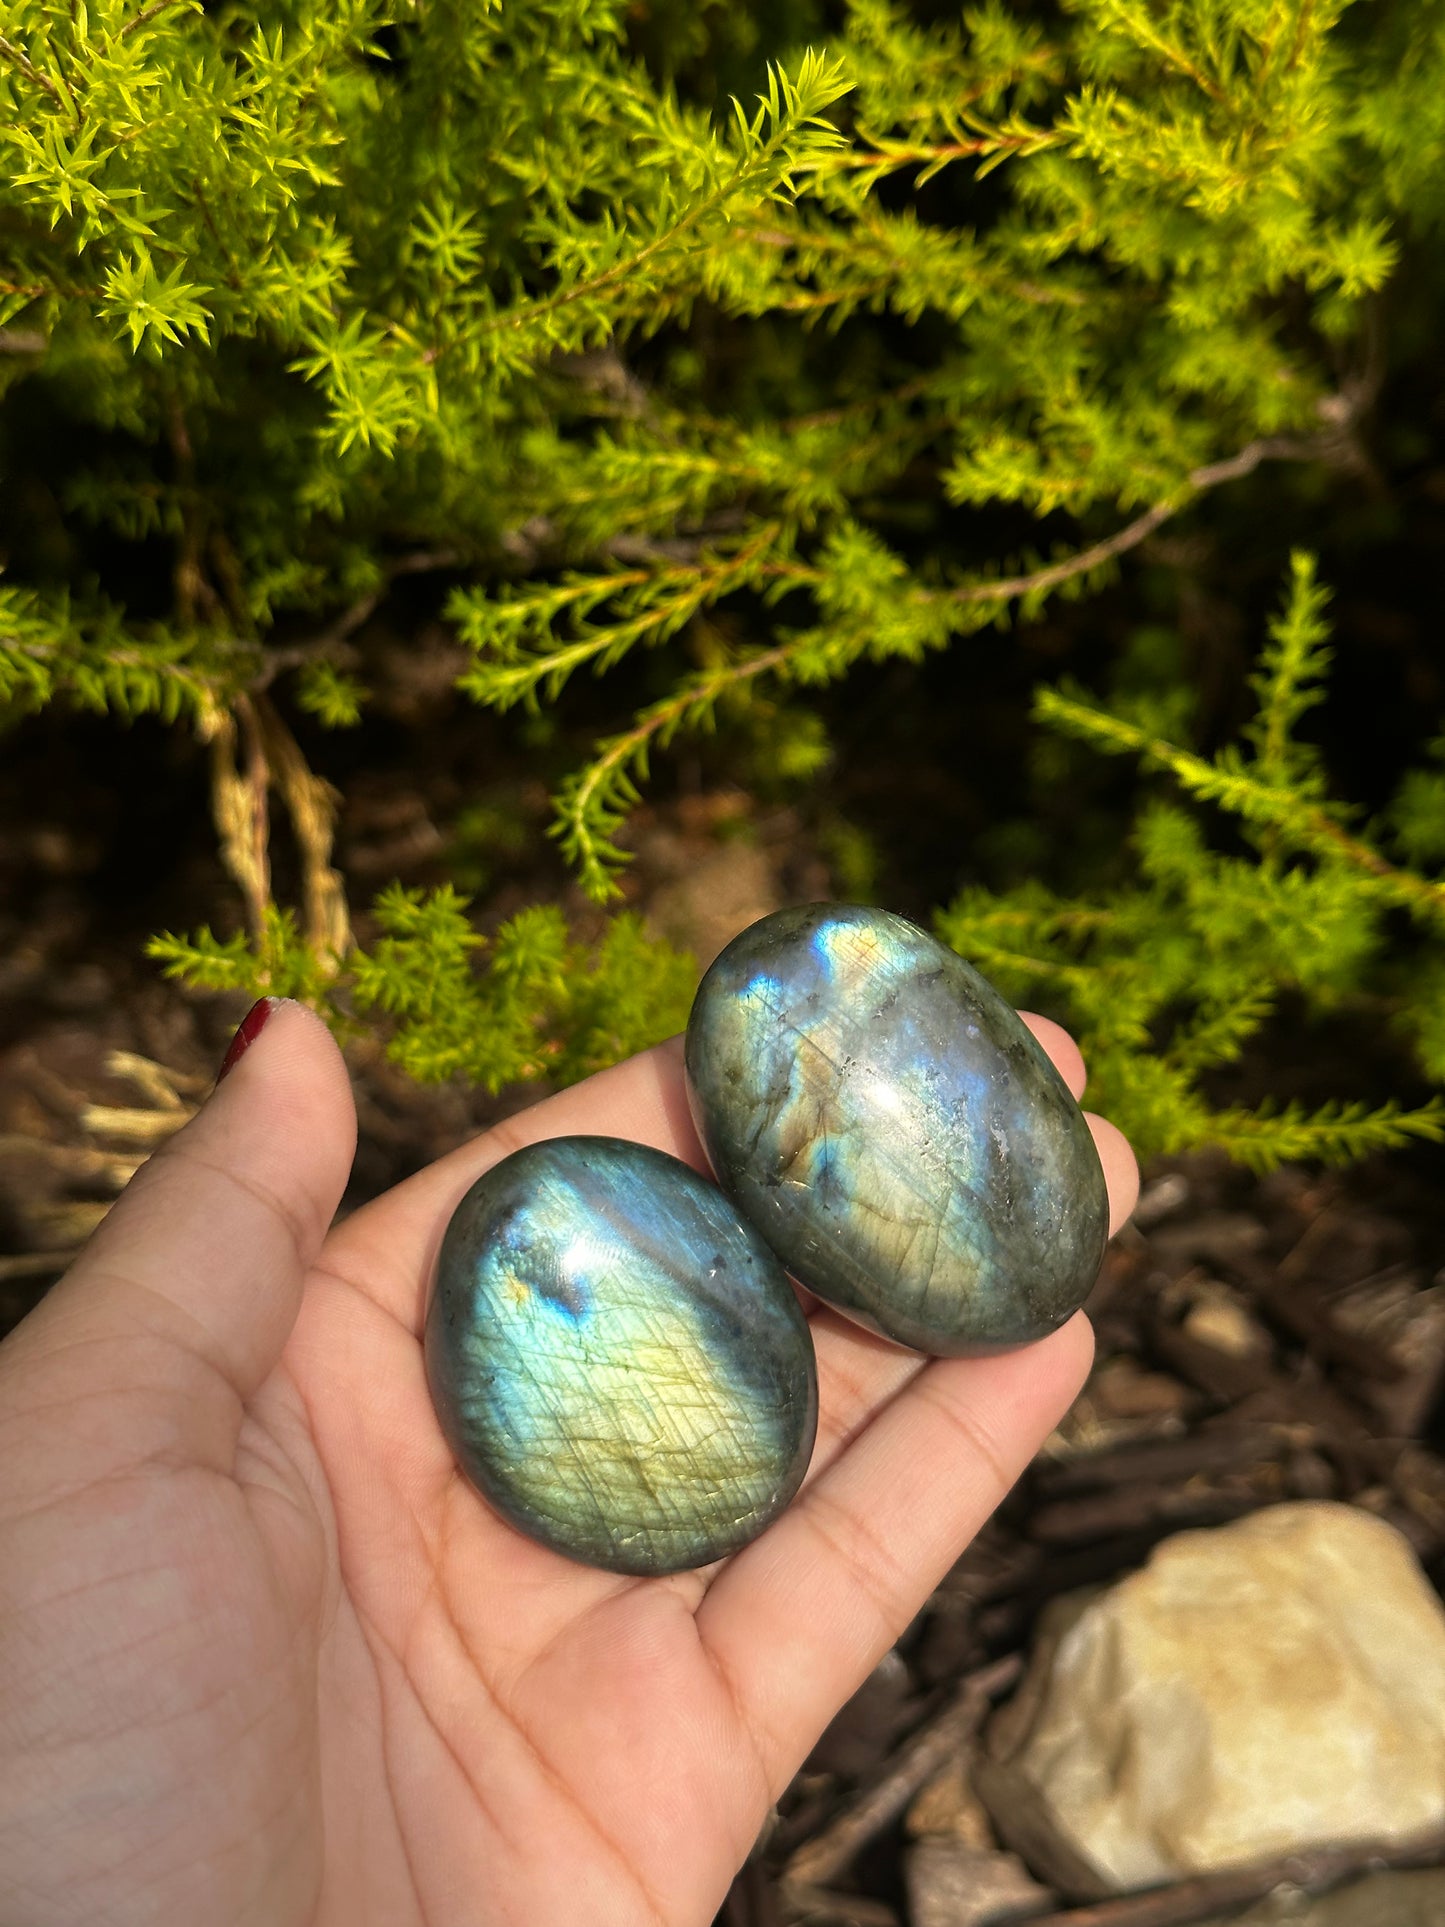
[884, 1118]
[619, 1364]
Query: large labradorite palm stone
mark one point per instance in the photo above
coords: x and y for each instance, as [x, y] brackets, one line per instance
[883, 1117]
[620, 1366]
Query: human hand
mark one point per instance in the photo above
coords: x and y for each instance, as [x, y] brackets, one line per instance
[265, 1658]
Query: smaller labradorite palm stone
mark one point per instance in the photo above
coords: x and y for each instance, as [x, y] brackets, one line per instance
[893, 1129]
[619, 1365]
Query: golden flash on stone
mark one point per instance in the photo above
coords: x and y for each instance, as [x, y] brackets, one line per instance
[620, 1365]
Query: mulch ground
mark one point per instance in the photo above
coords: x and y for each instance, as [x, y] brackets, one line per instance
[1258, 1341]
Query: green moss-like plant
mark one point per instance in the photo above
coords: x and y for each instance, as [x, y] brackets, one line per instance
[1173, 974]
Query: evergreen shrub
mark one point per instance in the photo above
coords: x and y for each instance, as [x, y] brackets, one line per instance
[940, 331]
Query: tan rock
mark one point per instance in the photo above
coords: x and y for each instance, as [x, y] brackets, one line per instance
[1123, 1389]
[1218, 1317]
[1256, 1688]
[950, 1885]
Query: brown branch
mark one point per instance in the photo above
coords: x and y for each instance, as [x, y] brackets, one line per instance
[1180, 60]
[333, 643]
[816, 1907]
[1277, 448]
[311, 804]
[193, 586]
[869, 405]
[1080, 564]
[77, 1161]
[1202, 1898]
[663, 718]
[233, 273]
[139, 1125]
[1303, 22]
[146, 15]
[252, 750]
[916, 1762]
[422, 562]
[19, 59]
[239, 807]
[1410, 891]
[1314, 829]
[672, 550]
[1200, 480]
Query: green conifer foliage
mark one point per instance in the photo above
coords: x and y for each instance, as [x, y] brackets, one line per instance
[1174, 974]
[355, 290]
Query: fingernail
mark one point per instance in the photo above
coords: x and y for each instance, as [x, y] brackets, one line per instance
[251, 1026]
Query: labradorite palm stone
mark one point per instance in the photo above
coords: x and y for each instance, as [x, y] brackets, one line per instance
[620, 1366]
[888, 1123]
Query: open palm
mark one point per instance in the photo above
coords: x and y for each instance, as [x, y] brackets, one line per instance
[266, 1658]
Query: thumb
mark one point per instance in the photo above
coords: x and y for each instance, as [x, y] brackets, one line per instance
[180, 1306]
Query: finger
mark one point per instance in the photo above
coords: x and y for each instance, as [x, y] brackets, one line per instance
[1121, 1170]
[186, 1294]
[798, 1619]
[1065, 1054]
[858, 1373]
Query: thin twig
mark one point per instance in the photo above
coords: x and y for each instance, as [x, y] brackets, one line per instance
[920, 1757]
[1200, 480]
[672, 550]
[810, 1905]
[657, 723]
[20, 59]
[333, 643]
[1276, 448]
[233, 272]
[1314, 827]
[80, 1162]
[146, 15]
[161, 1084]
[1202, 1898]
[422, 562]
[140, 1126]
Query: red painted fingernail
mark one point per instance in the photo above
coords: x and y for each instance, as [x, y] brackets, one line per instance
[251, 1026]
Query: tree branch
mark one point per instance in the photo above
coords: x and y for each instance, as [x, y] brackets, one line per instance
[311, 803]
[19, 59]
[146, 15]
[1203, 1898]
[1276, 448]
[930, 1748]
[239, 809]
[333, 644]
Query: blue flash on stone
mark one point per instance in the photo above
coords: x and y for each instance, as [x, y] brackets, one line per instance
[617, 1361]
[895, 1131]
